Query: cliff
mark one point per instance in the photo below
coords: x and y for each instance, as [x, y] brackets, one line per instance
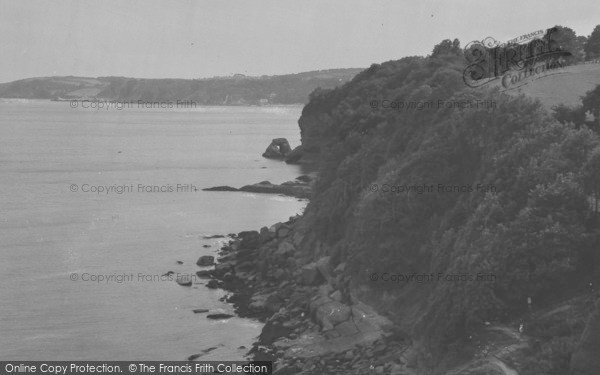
[450, 209]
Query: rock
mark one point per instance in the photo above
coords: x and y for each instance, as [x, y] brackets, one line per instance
[331, 334]
[285, 248]
[297, 239]
[225, 268]
[273, 303]
[272, 331]
[317, 302]
[310, 275]
[220, 188]
[278, 149]
[336, 296]
[349, 355]
[206, 246]
[179, 262]
[219, 316]
[200, 311]
[282, 232]
[265, 235]
[340, 268]
[184, 279]
[204, 274]
[323, 267]
[250, 240]
[194, 356]
[364, 321]
[295, 155]
[214, 236]
[257, 302]
[333, 312]
[206, 260]
[212, 284]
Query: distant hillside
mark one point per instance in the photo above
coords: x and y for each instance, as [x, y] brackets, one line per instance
[235, 90]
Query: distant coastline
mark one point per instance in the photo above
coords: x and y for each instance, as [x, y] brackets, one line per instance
[237, 90]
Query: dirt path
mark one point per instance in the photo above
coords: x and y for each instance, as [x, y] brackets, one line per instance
[494, 357]
[504, 367]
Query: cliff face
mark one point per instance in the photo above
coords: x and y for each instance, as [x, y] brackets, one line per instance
[449, 207]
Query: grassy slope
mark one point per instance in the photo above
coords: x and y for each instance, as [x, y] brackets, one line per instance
[567, 86]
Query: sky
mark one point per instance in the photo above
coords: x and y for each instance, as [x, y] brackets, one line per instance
[206, 38]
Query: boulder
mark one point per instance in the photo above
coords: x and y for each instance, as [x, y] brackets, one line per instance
[310, 275]
[204, 274]
[257, 302]
[213, 284]
[336, 296]
[285, 248]
[278, 149]
[184, 279]
[250, 240]
[346, 328]
[275, 227]
[206, 260]
[315, 303]
[323, 267]
[283, 231]
[333, 312]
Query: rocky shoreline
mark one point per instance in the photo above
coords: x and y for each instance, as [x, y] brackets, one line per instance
[312, 325]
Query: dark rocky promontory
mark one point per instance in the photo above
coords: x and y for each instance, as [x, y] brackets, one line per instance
[299, 188]
[278, 149]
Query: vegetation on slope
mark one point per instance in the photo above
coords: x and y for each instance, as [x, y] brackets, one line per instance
[533, 235]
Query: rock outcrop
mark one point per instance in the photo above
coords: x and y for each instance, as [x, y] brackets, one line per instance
[299, 188]
[278, 149]
[205, 261]
[309, 315]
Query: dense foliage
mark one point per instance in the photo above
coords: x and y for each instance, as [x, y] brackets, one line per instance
[531, 219]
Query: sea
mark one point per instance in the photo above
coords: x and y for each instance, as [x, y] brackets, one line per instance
[97, 205]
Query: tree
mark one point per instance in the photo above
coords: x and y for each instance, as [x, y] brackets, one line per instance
[567, 40]
[591, 103]
[446, 46]
[565, 114]
[592, 47]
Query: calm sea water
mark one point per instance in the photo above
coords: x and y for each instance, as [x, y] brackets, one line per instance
[49, 232]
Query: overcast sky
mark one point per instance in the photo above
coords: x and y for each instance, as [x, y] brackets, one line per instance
[192, 39]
